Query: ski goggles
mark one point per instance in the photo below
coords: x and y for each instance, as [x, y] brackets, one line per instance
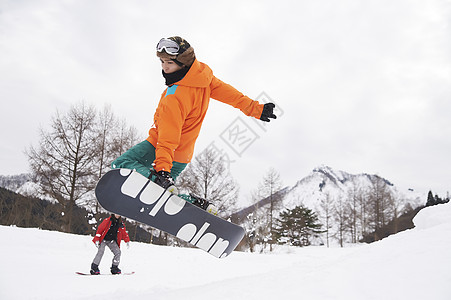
[171, 47]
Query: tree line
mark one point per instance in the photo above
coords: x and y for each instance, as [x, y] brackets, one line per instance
[363, 214]
[79, 146]
[33, 212]
[75, 152]
[435, 200]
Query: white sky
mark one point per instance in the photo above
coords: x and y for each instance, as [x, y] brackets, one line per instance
[364, 86]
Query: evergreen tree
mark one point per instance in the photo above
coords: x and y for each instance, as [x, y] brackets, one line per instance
[431, 200]
[434, 200]
[297, 226]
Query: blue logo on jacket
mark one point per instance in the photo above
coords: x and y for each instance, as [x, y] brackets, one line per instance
[171, 90]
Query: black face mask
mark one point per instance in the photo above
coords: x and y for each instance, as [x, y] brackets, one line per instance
[176, 76]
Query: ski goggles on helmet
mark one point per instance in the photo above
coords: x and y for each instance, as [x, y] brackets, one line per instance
[171, 47]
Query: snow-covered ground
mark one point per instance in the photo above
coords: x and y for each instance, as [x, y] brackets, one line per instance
[415, 264]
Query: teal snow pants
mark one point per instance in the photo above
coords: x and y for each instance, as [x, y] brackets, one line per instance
[141, 157]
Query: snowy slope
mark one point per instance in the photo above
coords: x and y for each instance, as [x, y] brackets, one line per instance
[414, 264]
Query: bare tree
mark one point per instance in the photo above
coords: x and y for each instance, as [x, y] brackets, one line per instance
[63, 162]
[341, 219]
[208, 177]
[255, 225]
[353, 210]
[113, 137]
[363, 212]
[251, 228]
[400, 206]
[326, 207]
[268, 188]
[380, 204]
[123, 138]
[105, 126]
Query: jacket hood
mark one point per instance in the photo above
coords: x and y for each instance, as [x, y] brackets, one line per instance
[199, 75]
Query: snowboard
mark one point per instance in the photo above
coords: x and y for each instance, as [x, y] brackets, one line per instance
[130, 194]
[89, 274]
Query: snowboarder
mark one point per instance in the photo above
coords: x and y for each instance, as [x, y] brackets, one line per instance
[109, 234]
[179, 116]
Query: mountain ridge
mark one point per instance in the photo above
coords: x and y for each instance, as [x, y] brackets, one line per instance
[328, 191]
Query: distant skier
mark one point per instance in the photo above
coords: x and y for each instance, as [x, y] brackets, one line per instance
[109, 234]
[179, 116]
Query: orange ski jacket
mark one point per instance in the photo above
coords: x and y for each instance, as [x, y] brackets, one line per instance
[182, 109]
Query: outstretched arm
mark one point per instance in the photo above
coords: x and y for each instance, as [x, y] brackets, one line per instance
[226, 93]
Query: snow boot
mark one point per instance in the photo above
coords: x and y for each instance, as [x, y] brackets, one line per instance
[204, 204]
[115, 270]
[94, 269]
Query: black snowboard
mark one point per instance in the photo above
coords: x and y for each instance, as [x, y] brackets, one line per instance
[89, 274]
[129, 194]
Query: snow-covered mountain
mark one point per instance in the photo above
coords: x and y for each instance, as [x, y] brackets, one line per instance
[14, 182]
[329, 192]
[24, 185]
[324, 182]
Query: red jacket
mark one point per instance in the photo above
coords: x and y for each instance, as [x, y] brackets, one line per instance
[103, 229]
[182, 109]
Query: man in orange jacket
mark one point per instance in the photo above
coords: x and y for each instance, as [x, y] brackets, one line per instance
[180, 113]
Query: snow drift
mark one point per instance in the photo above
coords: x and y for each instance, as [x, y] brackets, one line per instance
[414, 264]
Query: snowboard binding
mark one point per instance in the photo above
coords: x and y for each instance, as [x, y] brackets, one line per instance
[204, 204]
[165, 180]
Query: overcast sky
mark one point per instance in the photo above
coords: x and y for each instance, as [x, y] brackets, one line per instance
[361, 86]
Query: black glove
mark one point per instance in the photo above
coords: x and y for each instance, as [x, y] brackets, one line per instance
[268, 112]
[163, 179]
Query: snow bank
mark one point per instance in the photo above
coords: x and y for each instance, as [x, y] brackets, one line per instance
[433, 216]
[414, 264]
